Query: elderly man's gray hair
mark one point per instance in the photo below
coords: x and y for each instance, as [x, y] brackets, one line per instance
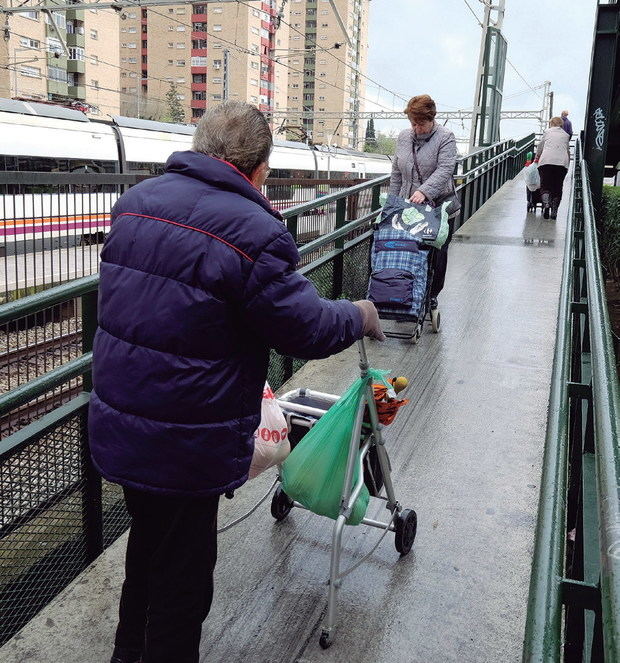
[235, 132]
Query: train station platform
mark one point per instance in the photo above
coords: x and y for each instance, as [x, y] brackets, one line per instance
[466, 454]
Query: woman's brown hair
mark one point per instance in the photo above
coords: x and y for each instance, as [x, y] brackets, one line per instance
[421, 108]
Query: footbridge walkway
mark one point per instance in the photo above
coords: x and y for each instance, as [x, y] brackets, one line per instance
[515, 499]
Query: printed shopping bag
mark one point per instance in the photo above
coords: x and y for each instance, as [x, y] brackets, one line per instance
[271, 443]
[532, 177]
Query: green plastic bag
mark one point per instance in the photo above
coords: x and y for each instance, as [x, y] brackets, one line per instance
[314, 472]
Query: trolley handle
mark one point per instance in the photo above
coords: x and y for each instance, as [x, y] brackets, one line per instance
[361, 347]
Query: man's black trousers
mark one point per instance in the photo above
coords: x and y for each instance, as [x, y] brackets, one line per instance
[168, 588]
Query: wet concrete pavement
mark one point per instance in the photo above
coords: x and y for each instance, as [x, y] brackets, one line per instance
[466, 454]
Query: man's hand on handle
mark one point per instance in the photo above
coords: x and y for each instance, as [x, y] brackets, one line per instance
[372, 324]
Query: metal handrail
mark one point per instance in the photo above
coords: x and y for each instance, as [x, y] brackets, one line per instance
[553, 583]
[544, 616]
[606, 400]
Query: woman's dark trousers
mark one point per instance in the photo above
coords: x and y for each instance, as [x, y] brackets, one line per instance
[168, 588]
[551, 183]
[441, 263]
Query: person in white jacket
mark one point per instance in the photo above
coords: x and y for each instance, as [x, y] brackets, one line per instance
[552, 156]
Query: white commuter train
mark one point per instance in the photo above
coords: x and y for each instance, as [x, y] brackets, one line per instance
[44, 138]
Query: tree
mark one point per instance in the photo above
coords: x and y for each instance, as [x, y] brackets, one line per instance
[175, 112]
[371, 138]
[383, 144]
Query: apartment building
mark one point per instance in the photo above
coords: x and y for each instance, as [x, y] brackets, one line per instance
[177, 60]
[327, 72]
[34, 65]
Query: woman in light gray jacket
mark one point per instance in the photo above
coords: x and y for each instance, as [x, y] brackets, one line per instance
[552, 156]
[423, 169]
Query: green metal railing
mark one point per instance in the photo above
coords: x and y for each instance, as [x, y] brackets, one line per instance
[574, 602]
[56, 513]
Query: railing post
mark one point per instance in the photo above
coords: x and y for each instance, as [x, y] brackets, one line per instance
[92, 510]
[291, 224]
[341, 215]
[376, 193]
[89, 327]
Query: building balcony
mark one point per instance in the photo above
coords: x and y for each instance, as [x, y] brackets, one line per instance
[199, 34]
[77, 91]
[57, 87]
[60, 61]
[198, 103]
[76, 66]
[199, 87]
[75, 14]
[75, 39]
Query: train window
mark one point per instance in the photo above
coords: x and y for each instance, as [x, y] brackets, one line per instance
[145, 167]
[35, 164]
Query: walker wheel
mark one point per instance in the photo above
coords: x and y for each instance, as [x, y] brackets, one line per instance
[435, 320]
[417, 332]
[406, 525]
[281, 504]
[325, 640]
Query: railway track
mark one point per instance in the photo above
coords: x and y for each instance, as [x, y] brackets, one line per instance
[13, 361]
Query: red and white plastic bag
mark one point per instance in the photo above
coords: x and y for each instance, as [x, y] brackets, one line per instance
[271, 443]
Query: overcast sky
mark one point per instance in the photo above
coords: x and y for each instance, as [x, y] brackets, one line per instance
[432, 46]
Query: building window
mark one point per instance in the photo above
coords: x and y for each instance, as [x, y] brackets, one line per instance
[180, 10]
[216, 45]
[132, 44]
[31, 15]
[54, 45]
[76, 53]
[217, 10]
[133, 74]
[255, 31]
[145, 43]
[180, 80]
[321, 98]
[217, 79]
[199, 78]
[131, 15]
[170, 61]
[217, 64]
[323, 36]
[199, 27]
[59, 18]
[198, 112]
[253, 81]
[217, 28]
[199, 9]
[324, 25]
[181, 97]
[180, 28]
[135, 30]
[180, 63]
[199, 96]
[199, 61]
[131, 60]
[199, 43]
[31, 72]
[25, 42]
[296, 37]
[170, 44]
[217, 96]
[180, 45]
[57, 74]
[294, 84]
[295, 98]
[95, 84]
[171, 11]
[94, 34]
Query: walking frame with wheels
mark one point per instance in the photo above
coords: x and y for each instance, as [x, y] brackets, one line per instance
[403, 522]
[366, 439]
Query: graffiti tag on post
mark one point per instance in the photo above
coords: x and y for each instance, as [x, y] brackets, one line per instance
[600, 125]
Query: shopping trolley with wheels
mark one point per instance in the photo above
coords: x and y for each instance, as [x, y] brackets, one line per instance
[303, 408]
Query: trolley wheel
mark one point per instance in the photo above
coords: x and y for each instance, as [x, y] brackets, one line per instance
[325, 640]
[406, 525]
[417, 332]
[435, 320]
[281, 504]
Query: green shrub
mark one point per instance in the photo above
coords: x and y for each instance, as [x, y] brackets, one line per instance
[610, 232]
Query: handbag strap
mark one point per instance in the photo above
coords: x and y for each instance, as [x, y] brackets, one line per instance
[415, 161]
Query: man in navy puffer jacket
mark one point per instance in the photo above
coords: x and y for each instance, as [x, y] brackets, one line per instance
[198, 282]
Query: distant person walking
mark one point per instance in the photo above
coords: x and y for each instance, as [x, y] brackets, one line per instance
[552, 156]
[423, 169]
[566, 124]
